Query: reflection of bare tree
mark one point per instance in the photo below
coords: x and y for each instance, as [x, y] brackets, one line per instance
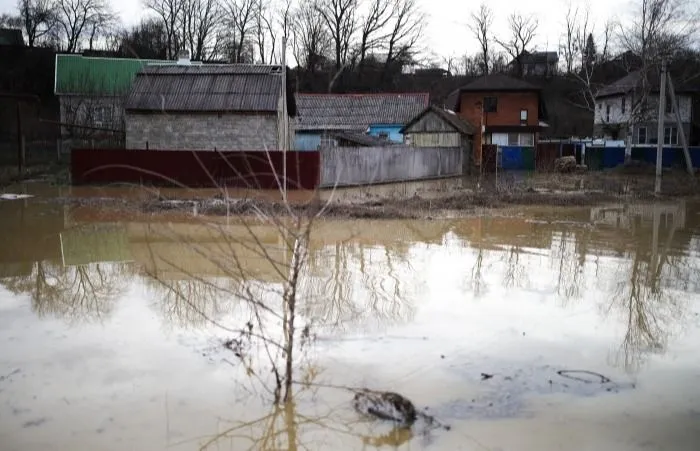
[570, 259]
[477, 278]
[649, 309]
[77, 293]
[188, 302]
[515, 274]
[355, 285]
[285, 427]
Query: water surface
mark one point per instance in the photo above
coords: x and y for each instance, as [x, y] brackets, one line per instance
[108, 341]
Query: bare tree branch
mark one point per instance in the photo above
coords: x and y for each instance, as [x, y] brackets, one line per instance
[522, 32]
[481, 26]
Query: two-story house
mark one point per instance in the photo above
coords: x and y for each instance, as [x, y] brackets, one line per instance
[626, 103]
[506, 111]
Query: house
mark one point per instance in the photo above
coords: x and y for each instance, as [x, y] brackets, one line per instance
[11, 37]
[224, 107]
[438, 127]
[535, 64]
[506, 111]
[619, 104]
[91, 93]
[381, 115]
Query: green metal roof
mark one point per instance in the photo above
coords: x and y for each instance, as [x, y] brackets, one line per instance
[77, 74]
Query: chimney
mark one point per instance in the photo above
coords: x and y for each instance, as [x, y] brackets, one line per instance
[183, 58]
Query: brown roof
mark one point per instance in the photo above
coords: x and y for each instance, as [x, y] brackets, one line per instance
[460, 124]
[356, 112]
[207, 88]
[498, 82]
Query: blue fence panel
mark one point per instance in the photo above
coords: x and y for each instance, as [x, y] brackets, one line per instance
[613, 156]
[512, 158]
[307, 141]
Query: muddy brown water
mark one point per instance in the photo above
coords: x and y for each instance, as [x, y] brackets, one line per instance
[499, 324]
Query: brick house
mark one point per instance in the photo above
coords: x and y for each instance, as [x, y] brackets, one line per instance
[208, 107]
[506, 111]
[91, 93]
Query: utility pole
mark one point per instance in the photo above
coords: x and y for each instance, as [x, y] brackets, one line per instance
[660, 128]
[679, 124]
[285, 120]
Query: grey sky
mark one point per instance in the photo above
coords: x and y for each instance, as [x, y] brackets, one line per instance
[446, 31]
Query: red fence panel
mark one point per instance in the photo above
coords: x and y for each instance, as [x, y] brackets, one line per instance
[200, 168]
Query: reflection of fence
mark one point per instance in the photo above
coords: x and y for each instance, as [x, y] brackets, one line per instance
[624, 216]
[203, 168]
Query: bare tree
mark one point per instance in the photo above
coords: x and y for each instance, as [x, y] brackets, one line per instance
[240, 18]
[99, 25]
[37, 18]
[373, 29]
[311, 41]
[199, 21]
[480, 26]
[74, 18]
[522, 32]
[659, 29]
[265, 33]
[570, 46]
[340, 19]
[169, 12]
[405, 30]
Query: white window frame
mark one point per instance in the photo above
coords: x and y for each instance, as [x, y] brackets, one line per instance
[523, 115]
[671, 136]
[527, 139]
[646, 135]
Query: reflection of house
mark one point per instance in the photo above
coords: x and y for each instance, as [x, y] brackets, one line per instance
[224, 107]
[618, 104]
[625, 216]
[510, 110]
[91, 93]
[380, 115]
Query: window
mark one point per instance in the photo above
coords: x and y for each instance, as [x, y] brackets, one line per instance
[523, 115]
[623, 106]
[513, 139]
[600, 106]
[490, 104]
[607, 113]
[527, 139]
[669, 105]
[642, 135]
[671, 135]
[101, 115]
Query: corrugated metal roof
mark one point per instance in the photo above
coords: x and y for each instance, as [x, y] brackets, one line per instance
[457, 122]
[83, 75]
[356, 112]
[222, 88]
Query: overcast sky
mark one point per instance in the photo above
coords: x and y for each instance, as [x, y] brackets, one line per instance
[447, 31]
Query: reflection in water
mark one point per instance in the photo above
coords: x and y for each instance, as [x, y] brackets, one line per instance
[76, 293]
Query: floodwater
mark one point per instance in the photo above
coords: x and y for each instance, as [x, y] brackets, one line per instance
[498, 324]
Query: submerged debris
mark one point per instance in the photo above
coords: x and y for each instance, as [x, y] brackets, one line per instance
[390, 406]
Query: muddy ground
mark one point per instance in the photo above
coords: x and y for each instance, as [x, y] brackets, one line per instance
[622, 184]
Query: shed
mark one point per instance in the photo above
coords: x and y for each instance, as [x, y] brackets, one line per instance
[438, 127]
[208, 107]
[377, 114]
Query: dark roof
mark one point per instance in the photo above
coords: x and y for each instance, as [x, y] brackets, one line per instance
[460, 124]
[356, 112]
[11, 36]
[539, 57]
[207, 88]
[632, 81]
[361, 139]
[498, 82]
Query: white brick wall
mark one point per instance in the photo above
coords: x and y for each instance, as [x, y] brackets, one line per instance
[617, 117]
[202, 131]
